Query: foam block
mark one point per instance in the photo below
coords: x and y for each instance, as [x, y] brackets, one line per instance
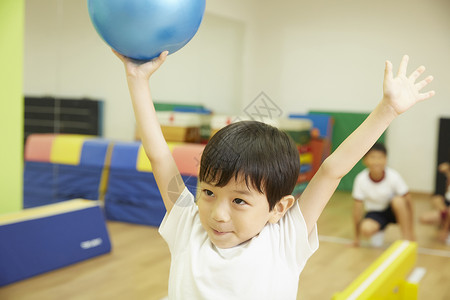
[42, 239]
[38, 147]
[72, 168]
[67, 149]
[38, 184]
[143, 163]
[82, 180]
[132, 194]
[187, 158]
[93, 152]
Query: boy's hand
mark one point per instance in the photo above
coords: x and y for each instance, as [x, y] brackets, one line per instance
[403, 92]
[141, 69]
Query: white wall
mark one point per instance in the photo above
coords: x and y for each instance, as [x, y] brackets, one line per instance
[304, 55]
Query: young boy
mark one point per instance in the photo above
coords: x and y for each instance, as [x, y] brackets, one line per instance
[384, 195]
[246, 237]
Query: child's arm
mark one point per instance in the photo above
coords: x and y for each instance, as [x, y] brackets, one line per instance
[164, 168]
[400, 93]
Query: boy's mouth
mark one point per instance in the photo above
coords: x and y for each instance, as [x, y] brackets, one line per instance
[216, 232]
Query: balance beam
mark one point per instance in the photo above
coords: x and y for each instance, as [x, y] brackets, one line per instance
[386, 277]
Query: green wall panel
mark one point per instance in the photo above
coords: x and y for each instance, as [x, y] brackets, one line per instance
[11, 104]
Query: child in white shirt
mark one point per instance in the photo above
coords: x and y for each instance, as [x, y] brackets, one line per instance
[385, 197]
[246, 237]
[240, 239]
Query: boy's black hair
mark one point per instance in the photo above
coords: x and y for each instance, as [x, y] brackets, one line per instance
[265, 157]
[378, 147]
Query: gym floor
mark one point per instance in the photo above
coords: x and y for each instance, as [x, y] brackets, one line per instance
[138, 266]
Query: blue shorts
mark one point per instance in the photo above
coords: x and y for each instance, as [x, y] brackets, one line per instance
[383, 217]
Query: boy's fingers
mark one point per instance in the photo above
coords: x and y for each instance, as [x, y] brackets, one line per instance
[403, 65]
[161, 58]
[388, 70]
[413, 77]
[426, 96]
[420, 85]
[163, 55]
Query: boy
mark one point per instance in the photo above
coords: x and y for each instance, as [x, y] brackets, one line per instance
[247, 237]
[385, 197]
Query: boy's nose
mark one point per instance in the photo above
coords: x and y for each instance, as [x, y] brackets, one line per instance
[220, 212]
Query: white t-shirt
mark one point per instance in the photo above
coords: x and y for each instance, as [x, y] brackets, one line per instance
[266, 267]
[378, 195]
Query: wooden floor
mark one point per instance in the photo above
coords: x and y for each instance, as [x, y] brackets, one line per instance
[138, 266]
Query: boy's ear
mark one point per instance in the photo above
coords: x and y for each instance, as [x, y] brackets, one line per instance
[281, 208]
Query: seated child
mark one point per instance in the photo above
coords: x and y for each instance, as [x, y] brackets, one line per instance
[440, 215]
[246, 237]
[384, 195]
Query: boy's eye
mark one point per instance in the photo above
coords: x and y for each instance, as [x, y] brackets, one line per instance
[208, 193]
[239, 201]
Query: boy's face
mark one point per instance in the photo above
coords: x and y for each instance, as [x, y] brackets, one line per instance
[232, 214]
[375, 161]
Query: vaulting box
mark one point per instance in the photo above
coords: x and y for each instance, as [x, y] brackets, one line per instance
[41, 239]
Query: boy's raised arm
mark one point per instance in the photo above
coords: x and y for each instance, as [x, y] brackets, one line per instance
[164, 168]
[400, 94]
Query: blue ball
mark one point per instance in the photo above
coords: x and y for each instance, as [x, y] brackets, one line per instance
[142, 29]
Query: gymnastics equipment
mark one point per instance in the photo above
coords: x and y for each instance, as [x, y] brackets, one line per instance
[168, 112]
[41, 239]
[180, 126]
[386, 278]
[300, 132]
[205, 120]
[132, 194]
[321, 135]
[142, 29]
[61, 167]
